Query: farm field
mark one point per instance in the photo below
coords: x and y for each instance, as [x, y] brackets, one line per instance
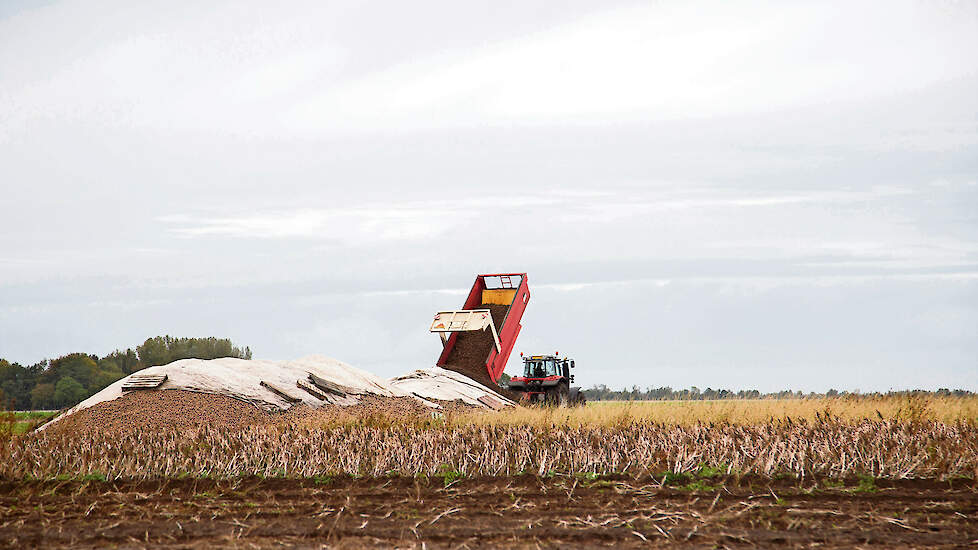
[19, 422]
[889, 472]
[748, 411]
[518, 512]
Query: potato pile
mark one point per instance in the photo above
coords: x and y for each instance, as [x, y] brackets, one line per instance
[164, 409]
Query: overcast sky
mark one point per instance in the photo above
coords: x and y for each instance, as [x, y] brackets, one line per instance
[741, 195]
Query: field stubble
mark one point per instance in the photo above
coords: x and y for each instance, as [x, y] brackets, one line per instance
[790, 474]
[744, 411]
[914, 438]
[516, 512]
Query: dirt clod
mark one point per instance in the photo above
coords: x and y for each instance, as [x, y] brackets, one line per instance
[514, 512]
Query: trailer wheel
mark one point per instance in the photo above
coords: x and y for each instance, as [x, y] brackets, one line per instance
[577, 398]
[550, 398]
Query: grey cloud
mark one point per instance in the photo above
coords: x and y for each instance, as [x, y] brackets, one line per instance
[319, 179]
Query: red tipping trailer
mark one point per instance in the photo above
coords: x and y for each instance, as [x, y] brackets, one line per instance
[489, 294]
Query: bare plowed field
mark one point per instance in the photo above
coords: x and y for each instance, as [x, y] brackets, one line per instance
[518, 512]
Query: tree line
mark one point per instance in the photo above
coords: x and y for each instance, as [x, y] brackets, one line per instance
[72, 378]
[604, 393]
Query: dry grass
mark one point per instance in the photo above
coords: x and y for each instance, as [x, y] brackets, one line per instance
[741, 412]
[907, 438]
[16, 423]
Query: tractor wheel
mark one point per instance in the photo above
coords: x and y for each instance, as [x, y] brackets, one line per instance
[563, 395]
[551, 399]
[577, 398]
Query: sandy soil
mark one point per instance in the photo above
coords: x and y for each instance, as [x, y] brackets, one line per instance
[524, 512]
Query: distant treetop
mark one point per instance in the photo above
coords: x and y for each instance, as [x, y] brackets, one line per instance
[604, 393]
[69, 379]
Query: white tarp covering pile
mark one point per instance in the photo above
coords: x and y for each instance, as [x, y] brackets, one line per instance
[446, 385]
[263, 382]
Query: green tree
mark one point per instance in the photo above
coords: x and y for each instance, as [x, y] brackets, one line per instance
[16, 383]
[68, 392]
[79, 366]
[42, 396]
[106, 374]
[154, 351]
[166, 349]
[56, 383]
[126, 361]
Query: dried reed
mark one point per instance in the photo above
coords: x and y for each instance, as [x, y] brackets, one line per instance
[824, 447]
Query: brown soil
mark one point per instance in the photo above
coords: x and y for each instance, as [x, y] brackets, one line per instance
[521, 512]
[161, 410]
[471, 350]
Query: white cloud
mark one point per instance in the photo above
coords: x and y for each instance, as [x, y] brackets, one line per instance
[662, 61]
[365, 154]
[354, 226]
[236, 68]
[365, 223]
[710, 222]
[163, 67]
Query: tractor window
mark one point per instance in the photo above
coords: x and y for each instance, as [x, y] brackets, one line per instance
[541, 368]
[534, 369]
[552, 367]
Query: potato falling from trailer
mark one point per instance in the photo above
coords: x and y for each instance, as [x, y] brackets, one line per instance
[478, 339]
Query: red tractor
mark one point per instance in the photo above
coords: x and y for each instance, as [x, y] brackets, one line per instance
[547, 380]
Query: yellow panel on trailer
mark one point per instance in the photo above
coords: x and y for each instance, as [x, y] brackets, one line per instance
[501, 296]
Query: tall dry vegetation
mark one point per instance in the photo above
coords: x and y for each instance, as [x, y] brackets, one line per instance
[831, 448]
[908, 438]
[612, 413]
